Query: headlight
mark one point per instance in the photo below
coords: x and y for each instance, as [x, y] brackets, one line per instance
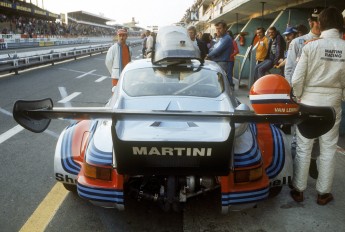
[97, 172]
[248, 175]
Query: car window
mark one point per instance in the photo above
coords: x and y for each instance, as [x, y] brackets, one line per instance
[163, 81]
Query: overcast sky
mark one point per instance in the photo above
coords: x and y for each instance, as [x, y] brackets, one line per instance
[146, 12]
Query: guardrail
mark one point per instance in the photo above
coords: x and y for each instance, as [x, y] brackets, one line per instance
[21, 61]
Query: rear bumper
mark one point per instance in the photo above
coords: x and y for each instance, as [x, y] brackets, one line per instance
[101, 196]
[234, 198]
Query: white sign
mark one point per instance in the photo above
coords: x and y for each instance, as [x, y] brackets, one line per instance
[194, 16]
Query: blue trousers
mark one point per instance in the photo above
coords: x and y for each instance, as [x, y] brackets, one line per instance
[261, 68]
[230, 72]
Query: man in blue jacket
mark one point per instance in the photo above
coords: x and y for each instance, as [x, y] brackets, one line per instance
[221, 50]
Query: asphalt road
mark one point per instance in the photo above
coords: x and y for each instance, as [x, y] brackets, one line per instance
[27, 194]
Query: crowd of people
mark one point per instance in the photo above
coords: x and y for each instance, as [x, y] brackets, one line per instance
[31, 27]
[313, 63]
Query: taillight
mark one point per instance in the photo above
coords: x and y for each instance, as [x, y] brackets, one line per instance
[248, 175]
[97, 172]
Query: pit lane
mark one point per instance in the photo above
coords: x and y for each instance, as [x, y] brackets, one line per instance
[27, 171]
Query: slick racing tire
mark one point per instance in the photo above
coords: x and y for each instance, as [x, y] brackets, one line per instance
[70, 187]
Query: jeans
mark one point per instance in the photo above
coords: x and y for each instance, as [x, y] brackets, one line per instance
[261, 68]
[230, 72]
[225, 66]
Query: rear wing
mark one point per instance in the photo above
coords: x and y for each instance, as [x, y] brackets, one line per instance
[36, 115]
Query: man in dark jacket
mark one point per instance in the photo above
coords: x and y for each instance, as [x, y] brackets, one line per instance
[276, 48]
[201, 45]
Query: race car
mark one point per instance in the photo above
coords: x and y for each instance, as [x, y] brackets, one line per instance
[173, 129]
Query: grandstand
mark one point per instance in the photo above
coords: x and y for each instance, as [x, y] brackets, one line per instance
[85, 23]
[27, 20]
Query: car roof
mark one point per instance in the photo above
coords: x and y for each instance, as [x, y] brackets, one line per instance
[147, 63]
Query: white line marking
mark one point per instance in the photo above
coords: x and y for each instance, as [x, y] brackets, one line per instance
[71, 70]
[52, 133]
[5, 112]
[101, 79]
[63, 93]
[11, 132]
[70, 97]
[85, 74]
[49, 132]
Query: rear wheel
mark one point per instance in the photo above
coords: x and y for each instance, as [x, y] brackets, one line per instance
[71, 187]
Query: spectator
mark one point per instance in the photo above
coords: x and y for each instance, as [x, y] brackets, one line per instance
[206, 38]
[290, 33]
[197, 42]
[118, 56]
[230, 72]
[199, 35]
[149, 44]
[344, 25]
[262, 47]
[319, 81]
[221, 50]
[144, 38]
[293, 56]
[296, 45]
[301, 30]
[276, 48]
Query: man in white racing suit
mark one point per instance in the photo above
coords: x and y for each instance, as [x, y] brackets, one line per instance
[293, 56]
[296, 45]
[118, 56]
[319, 80]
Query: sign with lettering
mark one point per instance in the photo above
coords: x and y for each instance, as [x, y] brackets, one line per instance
[194, 16]
[5, 4]
[23, 8]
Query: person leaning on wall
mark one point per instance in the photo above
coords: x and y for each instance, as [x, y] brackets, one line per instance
[262, 45]
[276, 48]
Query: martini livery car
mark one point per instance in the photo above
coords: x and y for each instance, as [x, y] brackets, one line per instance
[173, 129]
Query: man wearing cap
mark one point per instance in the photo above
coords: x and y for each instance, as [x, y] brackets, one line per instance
[118, 56]
[319, 80]
[290, 33]
[296, 45]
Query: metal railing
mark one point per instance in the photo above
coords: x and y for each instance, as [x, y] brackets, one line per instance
[20, 61]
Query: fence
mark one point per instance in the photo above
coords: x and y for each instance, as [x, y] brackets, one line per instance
[20, 61]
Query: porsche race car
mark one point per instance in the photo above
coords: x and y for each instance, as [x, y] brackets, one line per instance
[173, 129]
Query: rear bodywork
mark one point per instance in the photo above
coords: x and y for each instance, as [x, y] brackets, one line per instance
[172, 130]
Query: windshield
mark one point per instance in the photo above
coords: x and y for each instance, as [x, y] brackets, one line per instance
[163, 81]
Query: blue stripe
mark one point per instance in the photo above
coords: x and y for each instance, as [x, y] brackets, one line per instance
[100, 194]
[67, 162]
[278, 161]
[96, 156]
[244, 197]
[271, 101]
[250, 157]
